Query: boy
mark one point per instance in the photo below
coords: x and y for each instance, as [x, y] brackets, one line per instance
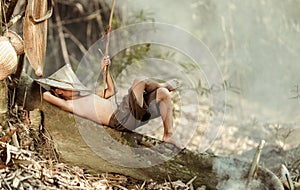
[146, 100]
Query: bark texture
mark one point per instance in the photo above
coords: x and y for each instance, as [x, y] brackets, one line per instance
[100, 149]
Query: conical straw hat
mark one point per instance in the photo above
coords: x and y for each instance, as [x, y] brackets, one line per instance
[65, 79]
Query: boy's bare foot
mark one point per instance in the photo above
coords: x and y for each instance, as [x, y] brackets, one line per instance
[172, 85]
[174, 142]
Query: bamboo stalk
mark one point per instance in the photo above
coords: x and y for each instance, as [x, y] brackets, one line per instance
[107, 47]
[63, 44]
[1, 9]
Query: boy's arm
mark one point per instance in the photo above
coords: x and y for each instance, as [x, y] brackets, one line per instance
[63, 104]
[110, 88]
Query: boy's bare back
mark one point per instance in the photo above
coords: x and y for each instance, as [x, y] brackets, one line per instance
[91, 107]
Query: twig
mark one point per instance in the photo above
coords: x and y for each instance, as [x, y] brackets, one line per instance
[25, 96]
[142, 186]
[295, 165]
[15, 19]
[255, 163]
[101, 52]
[75, 40]
[91, 16]
[169, 179]
[287, 177]
[105, 179]
[191, 181]
[6, 183]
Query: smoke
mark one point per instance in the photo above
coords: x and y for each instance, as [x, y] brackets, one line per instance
[232, 175]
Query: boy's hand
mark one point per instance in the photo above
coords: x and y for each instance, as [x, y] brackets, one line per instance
[105, 63]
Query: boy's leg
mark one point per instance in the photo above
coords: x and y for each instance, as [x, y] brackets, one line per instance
[163, 98]
[165, 107]
[144, 84]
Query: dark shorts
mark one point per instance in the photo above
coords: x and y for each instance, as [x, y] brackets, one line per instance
[130, 115]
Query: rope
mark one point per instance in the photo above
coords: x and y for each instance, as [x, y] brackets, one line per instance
[107, 46]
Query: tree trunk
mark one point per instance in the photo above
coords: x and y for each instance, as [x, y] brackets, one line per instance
[3, 103]
[83, 143]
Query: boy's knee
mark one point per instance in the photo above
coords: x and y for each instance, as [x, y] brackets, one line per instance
[163, 93]
[140, 80]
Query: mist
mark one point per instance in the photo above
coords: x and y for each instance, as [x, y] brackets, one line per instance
[255, 43]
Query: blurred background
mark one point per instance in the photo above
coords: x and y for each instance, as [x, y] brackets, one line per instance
[255, 44]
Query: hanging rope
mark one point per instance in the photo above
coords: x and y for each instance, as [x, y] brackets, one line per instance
[107, 46]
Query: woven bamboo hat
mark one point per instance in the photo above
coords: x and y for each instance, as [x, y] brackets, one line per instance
[16, 41]
[8, 58]
[64, 78]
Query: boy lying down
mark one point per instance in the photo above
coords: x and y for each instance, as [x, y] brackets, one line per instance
[146, 99]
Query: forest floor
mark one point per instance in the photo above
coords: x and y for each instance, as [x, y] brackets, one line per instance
[28, 160]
